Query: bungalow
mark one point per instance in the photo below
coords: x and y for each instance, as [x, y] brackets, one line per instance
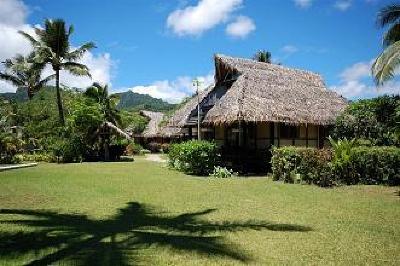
[255, 105]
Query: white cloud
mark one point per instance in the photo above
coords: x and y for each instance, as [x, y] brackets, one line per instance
[241, 27]
[303, 3]
[194, 20]
[13, 14]
[342, 5]
[356, 82]
[172, 91]
[289, 49]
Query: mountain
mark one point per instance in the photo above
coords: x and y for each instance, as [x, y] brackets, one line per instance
[134, 101]
[20, 95]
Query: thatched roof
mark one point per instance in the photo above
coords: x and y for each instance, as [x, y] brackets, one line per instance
[152, 129]
[170, 131]
[180, 117]
[269, 92]
[263, 92]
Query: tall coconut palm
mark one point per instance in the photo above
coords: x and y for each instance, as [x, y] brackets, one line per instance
[24, 72]
[52, 47]
[263, 56]
[112, 118]
[388, 61]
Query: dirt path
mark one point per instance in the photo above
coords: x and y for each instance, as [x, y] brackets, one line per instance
[155, 158]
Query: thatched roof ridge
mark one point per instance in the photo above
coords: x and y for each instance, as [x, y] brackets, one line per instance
[181, 115]
[269, 92]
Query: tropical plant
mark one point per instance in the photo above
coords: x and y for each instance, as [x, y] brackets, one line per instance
[52, 46]
[23, 72]
[384, 67]
[262, 56]
[111, 116]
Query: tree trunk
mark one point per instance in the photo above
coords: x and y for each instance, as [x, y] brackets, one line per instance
[30, 93]
[106, 148]
[59, 100]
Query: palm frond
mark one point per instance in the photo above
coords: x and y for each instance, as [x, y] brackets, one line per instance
[12, 79]
[392, 35]
[76, 68]
[388, 15]
[29, 37]
[78, 53]
[386, 64]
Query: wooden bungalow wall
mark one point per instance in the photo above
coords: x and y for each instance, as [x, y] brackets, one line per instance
[267, 134]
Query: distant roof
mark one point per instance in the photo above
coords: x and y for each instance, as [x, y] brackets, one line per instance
[152, 129]
[180, 117]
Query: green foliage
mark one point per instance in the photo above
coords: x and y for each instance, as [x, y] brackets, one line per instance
[376, 120]
[299, 164]
[385, 66]
[346, 164]
[222, 172]
[9, 147]
[154, 147]
[69, 150]
[193, 157]
[375, 165]
[133, 121]
[133, 149]
[38, 157]
[165, 147]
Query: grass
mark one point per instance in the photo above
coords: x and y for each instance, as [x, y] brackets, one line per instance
[143, 213]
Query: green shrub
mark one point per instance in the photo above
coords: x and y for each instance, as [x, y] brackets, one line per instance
[376, 165]
[193, 157]
[38, 157]
[154, 147]
[165, 147]
[298, 164]
[346, 164]
[374, 119]
[126, 159]
[69, 150]
[133, 149]
[222, 172]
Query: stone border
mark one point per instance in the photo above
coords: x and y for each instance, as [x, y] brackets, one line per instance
[17, 166]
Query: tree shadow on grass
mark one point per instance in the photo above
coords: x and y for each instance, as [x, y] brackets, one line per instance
[119, 240]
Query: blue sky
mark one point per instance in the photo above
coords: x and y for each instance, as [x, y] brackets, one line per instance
[158, 46]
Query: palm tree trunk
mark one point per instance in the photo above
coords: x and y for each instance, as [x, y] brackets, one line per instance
[30, 93]
[106, 147]
[59, 100]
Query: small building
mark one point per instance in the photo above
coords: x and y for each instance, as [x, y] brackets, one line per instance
[253, 106]
[154, 131]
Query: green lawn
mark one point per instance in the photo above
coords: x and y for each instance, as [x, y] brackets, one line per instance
[143, 213]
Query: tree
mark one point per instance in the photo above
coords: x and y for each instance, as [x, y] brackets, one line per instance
[52, 47]
[24, 72]
[263, 56]
[111, 116]
[385, 65]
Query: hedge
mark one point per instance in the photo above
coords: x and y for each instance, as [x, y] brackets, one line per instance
[365, 165]
[298, 164]
[193, 157]
[376, 165]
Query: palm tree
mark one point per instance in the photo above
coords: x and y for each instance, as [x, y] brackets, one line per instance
[263, 56]
[24, 72]
[112, 118]
[388, 61]
[52, 47]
